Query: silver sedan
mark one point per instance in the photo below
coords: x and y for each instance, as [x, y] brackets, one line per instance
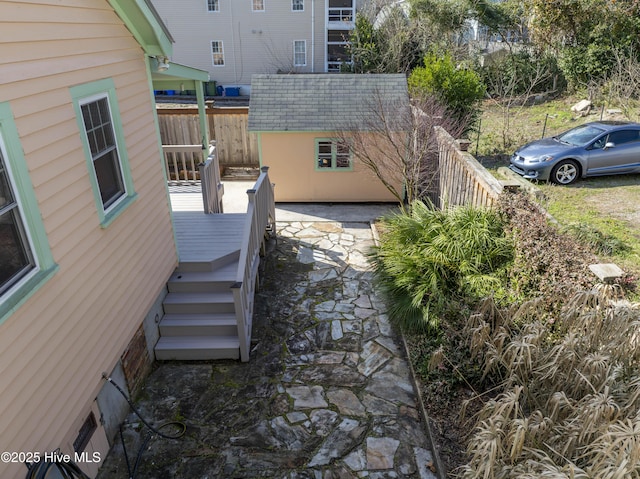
[593, 149]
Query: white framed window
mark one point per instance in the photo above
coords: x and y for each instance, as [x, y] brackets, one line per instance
[98, 128]
[300, 53]
[98, 117]
[217, 53]
[297, 5]
[213, 5]
[26, 262]
[257, 5]
[341, 11]
[333, 155]
[16, 253]
[337, 49]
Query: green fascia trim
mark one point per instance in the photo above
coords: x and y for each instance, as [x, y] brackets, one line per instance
[32, 218]
[144, 23]
[78, 93]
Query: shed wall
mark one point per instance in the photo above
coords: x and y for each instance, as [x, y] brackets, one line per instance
[291, 161]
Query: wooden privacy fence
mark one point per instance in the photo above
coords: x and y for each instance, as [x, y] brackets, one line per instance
[227, 126]
[462, 180]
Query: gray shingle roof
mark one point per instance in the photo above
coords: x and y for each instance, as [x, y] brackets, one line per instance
[325, 102]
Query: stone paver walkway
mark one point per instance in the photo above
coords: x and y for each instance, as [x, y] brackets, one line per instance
[327, 394]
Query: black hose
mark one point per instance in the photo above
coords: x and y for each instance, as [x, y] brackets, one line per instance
[182, 428]
[65, 469]
[181, 425]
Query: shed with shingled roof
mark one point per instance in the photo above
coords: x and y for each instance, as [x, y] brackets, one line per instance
[301, 122]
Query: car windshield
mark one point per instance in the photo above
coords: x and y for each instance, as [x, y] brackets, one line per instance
[580, 135]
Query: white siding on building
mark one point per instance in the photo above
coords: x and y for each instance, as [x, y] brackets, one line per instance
[254, 41]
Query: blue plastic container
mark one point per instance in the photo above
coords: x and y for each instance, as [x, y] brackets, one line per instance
[232, 91]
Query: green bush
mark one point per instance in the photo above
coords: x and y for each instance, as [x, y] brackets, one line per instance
[460, 89]
[430, 262]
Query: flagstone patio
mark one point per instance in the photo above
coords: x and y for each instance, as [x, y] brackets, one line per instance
[327, 394]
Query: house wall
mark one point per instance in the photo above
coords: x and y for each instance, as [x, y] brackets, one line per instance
[55, 347]
[254, 42]
[291, 160]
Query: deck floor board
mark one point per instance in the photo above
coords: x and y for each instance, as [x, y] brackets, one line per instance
[203, 237]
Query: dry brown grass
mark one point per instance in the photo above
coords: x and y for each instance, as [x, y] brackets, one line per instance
[570, 406]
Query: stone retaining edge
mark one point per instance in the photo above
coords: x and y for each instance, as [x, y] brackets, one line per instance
[440, 469]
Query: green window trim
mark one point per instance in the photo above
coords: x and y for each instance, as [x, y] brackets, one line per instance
[86, 93]
[332, 152]
[45, 266]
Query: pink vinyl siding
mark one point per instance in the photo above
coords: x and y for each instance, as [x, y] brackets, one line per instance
[54, 348]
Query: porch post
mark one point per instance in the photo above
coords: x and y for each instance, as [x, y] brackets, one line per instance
[202, 116]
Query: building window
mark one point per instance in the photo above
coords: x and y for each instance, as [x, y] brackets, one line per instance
[340, 11]
[297, 5]
[98, 118]
[98, 127]
[337, 49]
[213, 5]
[333, 155]
[16, 256]
[299, 53]
[257, 5]
[217, 51]
[26, 261]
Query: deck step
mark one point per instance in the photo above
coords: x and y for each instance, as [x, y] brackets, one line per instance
[223, 324]
[197, 348]
[220, 279]
[209, 265]
[199, 303]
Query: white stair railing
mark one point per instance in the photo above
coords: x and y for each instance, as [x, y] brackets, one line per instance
[261, 218]
[211, 184]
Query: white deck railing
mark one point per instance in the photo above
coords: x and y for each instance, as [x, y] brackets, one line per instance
[181, 162]
[211, 184]
[261, 217]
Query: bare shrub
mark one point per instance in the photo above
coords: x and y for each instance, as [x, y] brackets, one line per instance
[397, 143]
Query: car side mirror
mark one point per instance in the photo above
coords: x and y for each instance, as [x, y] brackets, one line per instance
[609, 144]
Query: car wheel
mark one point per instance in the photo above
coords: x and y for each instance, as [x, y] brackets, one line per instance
[565, 172]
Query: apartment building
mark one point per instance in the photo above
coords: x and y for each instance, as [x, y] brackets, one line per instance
[234, 39]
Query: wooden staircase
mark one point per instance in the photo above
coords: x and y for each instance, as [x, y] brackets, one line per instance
[200, 319]
[208, 311]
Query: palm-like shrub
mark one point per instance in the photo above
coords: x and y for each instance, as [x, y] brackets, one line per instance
[430, 261]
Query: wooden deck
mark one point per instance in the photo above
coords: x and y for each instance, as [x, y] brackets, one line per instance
[203, 237]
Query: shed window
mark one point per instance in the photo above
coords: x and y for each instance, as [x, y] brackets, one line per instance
[333, 155]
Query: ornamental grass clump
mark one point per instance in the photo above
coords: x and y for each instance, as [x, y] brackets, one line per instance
[570, 400]
[431, 262]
